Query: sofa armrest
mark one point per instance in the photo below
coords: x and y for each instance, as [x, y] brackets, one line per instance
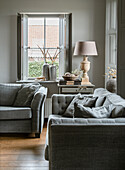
[37, 107]
[38, 98]
[60, 103]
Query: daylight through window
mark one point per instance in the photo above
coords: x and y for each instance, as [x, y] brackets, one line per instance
[43, 33]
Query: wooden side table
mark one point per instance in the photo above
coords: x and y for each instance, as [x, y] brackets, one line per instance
[74, 89]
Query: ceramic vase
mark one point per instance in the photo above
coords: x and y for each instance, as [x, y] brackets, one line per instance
[46, 71]
[111, 85]
[52, 72]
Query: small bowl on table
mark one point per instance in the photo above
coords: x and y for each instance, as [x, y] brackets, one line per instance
[70, 78]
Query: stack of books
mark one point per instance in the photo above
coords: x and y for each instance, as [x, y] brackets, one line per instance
[64, 82]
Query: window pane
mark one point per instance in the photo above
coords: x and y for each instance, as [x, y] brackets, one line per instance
[52, 32]
[52, 40]
[112, 49]
[35, 32]
[35, 37]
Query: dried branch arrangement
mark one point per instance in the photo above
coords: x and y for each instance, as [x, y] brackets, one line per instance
[111, 73]
[52, 58]
[44, 53]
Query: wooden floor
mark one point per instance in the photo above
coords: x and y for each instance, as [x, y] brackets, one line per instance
[23, 152]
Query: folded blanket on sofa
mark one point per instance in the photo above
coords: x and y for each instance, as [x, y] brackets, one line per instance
[96, 112]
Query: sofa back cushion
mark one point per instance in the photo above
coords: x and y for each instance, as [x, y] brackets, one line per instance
[60, 102]
[8, 93]
[25, 95]
[118, 104]
[87, 101]
[95, 112]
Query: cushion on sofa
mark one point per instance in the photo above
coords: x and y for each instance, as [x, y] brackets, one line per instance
[101, 92]
[8, 93]
[118, 104]
[25, 95]
[86, 112]
[81, 99]
[118, 111]
[7, 113]
[100, 100]
[116, 99]
[107, 102]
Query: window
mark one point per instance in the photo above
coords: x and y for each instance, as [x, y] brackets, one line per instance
[43, 33]
[48, 32]
[111, 34]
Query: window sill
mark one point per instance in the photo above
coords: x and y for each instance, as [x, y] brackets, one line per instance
[37, 81]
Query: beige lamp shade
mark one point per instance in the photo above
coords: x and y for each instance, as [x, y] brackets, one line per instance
[85, 48]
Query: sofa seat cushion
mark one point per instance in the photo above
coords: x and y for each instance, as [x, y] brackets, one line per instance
[59, 120]
[7, 113]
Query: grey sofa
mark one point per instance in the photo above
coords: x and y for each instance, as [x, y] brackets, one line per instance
[84, 143]
[21, 119]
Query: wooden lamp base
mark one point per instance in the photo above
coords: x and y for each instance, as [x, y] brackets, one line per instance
[85, 81]
[85, 66]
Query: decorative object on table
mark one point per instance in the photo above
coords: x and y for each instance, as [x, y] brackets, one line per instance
[111, 82]
[85, 48]
[42, 78]
[45, 70]
[52, 72]
[73, 78]
[78, 73]
[111, 85]
[52, 68]
[49, 71]
[69, 77]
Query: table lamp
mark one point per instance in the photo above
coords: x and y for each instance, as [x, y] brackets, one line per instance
[85, 48]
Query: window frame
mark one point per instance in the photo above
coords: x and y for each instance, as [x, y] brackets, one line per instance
[66, 52]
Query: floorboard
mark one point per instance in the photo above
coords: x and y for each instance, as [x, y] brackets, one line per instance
[23, 152]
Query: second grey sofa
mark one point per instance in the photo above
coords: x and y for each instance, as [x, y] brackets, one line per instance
[21, 119]
[84, 143]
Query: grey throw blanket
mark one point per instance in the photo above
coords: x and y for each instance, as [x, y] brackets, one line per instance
[97, 112]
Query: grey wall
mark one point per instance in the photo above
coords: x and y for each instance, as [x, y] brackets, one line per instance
[88, 24]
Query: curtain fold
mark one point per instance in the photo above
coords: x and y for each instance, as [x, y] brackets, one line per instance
[68, 42]
[19, 47]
